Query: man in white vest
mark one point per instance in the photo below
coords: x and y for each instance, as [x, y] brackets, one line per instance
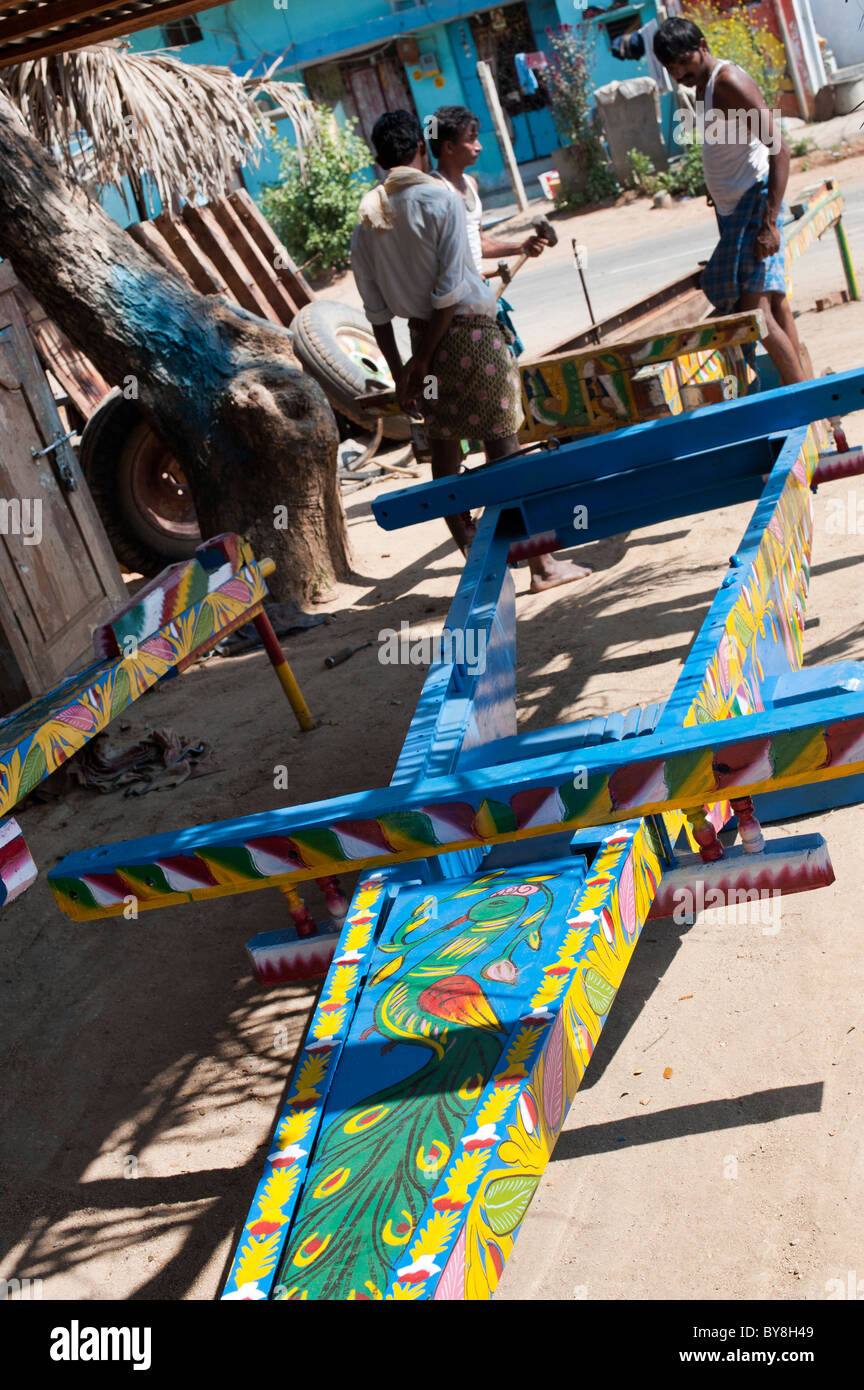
[454, 139]
[746, 163]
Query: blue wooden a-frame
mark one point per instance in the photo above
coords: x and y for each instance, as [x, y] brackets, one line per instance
[394, 1172]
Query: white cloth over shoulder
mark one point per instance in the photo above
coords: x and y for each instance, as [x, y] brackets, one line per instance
[375, 210]
[410, 252]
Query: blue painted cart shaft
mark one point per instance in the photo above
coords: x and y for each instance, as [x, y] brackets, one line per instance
[732, 424]
[437, 808]
[478, 963]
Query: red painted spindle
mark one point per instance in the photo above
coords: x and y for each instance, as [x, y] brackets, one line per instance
[300, 912]
[749, 829]
[710, 848]
[337, 903]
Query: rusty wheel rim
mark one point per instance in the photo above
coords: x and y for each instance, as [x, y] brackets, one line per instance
[159, 489]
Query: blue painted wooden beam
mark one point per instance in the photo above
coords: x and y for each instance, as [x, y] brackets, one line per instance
[681, 436]
[570, 738]
[479, 589]
[653, 513]
[814, 683]
[796, 687]
[739, 574]
[817, 741]
[779, 807]
[648, 496]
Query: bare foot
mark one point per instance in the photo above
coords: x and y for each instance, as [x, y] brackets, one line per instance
[550, 573]
[463, 530]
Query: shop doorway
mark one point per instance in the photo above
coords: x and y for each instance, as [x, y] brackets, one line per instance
[499, 35]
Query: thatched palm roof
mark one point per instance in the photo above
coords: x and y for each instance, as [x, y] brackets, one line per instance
[107, 114]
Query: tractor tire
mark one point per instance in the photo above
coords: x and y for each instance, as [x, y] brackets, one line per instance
[138, 487]
[335, 344]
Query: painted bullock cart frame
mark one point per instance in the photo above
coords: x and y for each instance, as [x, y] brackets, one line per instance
[505, 877]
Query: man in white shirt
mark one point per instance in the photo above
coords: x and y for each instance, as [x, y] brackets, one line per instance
[411, 259]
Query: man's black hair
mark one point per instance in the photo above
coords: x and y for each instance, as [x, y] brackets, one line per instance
[675, 38]
[395, 137]
[448, 123]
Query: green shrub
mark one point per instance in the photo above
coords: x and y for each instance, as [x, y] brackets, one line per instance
[596, 185]
[313, 207]
[570, 197]
[600, 183]
[568, 84]
[686, 178]
[683, 179]
[643, 175]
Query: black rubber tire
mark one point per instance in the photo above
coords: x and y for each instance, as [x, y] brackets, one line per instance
[316, 343]
[109, 445]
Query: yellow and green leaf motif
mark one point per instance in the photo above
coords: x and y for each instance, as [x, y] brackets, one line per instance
[442, 997]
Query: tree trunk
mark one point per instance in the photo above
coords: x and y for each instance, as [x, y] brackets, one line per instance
[255, 437]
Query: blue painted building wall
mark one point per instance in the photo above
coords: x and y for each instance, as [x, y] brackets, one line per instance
[305, 33]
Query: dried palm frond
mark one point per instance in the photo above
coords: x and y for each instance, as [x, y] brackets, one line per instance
[277, 100]
[107, 114]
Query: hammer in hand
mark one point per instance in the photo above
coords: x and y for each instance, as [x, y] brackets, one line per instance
[542, 228]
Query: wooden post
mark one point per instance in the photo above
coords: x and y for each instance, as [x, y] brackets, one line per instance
[286, 676]
[846, 258]
[793, 53]
[484, 72]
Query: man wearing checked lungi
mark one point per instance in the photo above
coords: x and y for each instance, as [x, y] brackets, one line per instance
[411, 259]
[746, 163]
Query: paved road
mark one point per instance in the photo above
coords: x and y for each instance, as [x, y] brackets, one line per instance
[549, 303]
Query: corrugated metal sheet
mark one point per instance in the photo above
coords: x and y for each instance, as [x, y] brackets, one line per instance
[34, 28]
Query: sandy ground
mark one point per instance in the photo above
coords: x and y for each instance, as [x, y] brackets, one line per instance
[143, 1067]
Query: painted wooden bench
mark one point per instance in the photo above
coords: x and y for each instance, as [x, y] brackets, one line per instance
[505, 877]
[167, 625]
[821, 209]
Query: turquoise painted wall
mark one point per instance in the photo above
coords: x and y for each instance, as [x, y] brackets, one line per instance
[427, 96]
[489, 169]
[533, 133]
[254, 33]
[608, 68]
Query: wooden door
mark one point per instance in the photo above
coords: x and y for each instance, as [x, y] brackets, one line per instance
[58, 575]
[376, 89]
